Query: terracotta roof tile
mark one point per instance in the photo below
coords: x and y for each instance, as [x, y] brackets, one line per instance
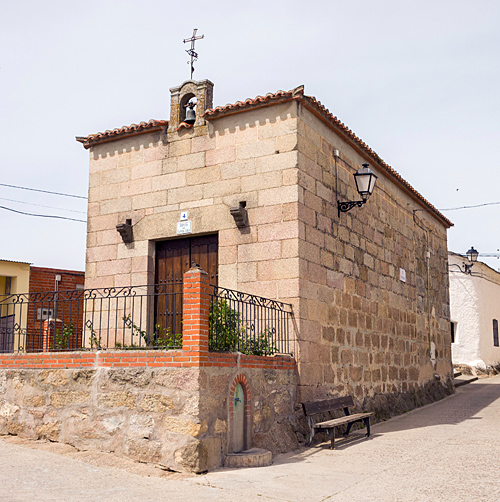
[322, 112]
[130, 130]
[257, 102]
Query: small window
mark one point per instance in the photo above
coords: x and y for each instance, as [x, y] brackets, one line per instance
[8, 285]
[453, 331]
[495, 332]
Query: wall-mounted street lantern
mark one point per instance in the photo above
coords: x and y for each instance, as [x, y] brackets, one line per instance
[365, 183]
[472, 255]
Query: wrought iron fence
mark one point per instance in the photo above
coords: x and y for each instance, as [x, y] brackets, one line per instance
[139, 317]
[126, 318]
[247, 323]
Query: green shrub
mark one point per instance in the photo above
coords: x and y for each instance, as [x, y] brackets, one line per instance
[63, 336]
[228, 333]
[161, 338]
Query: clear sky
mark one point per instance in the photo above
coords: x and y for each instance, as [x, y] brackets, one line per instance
[418, 81]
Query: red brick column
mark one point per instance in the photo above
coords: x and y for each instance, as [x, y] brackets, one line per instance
[49, 331]
[196, 304]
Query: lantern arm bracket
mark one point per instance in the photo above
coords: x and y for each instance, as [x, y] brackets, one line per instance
[344, 206]
[466, 268]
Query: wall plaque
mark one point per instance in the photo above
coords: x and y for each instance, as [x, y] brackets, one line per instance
[183, 227]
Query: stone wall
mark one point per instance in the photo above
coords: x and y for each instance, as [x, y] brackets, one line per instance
[272, 421]
[175, 417]
[148, 415]
[363, 330]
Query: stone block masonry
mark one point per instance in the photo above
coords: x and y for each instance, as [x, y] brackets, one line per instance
[363, 330]
[369, 287]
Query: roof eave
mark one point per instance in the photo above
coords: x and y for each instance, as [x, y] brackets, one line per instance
[89, 141]
[356, 143]
[369, 154]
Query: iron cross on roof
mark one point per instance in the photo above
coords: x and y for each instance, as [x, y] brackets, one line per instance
[191, 51]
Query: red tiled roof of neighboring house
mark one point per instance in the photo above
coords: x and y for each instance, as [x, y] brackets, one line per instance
[131, 130]
[326, 116]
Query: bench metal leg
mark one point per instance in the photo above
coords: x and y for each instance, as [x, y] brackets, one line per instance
[367, 425]
[332, 437]
[311, 431]
[310, 438]
[349, 425]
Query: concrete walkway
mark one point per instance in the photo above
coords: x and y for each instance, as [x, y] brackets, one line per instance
[448, 451]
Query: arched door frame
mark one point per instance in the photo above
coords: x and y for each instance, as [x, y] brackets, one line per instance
[247, 431]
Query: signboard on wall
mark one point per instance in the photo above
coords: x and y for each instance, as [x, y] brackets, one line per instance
[183, 227]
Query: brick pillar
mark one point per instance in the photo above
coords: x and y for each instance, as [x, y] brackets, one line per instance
[49, 331]
[196, 304]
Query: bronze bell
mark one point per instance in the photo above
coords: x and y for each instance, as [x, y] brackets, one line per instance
[190, 114]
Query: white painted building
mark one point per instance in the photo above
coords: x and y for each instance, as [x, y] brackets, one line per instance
[475, 313]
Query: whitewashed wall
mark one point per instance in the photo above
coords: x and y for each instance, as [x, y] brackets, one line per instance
[474, 303]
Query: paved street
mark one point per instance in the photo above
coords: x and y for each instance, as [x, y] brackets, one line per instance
[447, 451]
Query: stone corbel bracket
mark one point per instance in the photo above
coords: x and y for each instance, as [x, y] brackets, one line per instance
[240, 214]
[125, 230]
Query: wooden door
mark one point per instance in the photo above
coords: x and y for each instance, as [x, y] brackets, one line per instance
[173, 259]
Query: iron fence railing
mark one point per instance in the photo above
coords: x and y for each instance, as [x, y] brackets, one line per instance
[121, 317]
[138, 317]
[247, 323]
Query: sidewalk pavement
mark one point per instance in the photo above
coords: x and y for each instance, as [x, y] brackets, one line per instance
[447, 451]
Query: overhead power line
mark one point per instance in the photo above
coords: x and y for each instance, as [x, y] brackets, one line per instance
[44, 191]
[42, 215]
[41, 205]
[469, 207]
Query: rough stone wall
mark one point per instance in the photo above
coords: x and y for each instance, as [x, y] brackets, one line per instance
[148, 415]
[272, 418]
[363, 331]
[177, 418]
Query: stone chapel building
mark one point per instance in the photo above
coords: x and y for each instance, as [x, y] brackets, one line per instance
[250, 191]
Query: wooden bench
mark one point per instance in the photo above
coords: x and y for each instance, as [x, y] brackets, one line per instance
[314, 408]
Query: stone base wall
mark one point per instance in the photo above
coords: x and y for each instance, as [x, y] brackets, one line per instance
[466, 369]
[177, 417]
[145, 414]
[385, 405]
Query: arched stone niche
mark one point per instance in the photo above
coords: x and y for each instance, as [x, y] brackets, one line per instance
[201, 90]
[239, 430]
